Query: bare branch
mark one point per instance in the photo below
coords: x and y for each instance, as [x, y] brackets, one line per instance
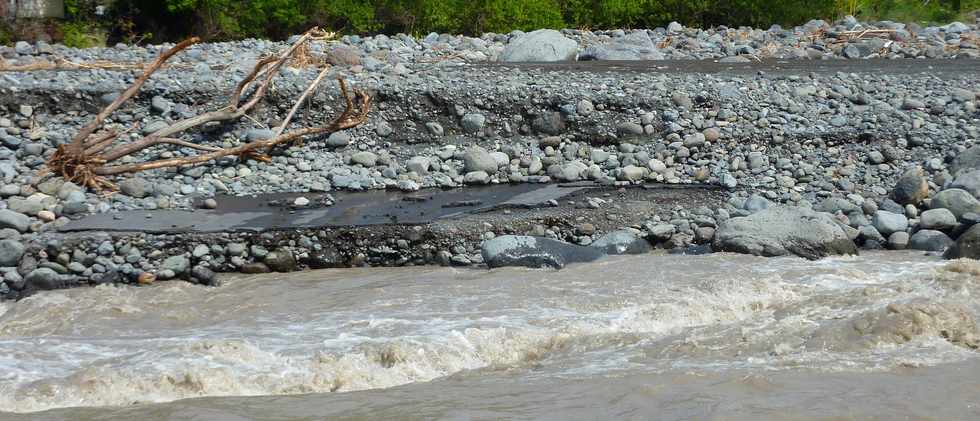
[232, 112]
[186, 144]
[235, 97]
[203, 158]
[351, 117]
[84, 159]
[90, 128]
[299, 102]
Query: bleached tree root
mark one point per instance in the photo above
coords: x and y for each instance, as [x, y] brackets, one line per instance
[87, 159]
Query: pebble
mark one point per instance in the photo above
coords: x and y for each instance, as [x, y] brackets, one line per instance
[46, 216]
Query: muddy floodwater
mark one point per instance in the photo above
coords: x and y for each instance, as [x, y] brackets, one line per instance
[884, 335]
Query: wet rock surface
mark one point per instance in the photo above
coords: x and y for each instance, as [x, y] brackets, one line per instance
[534, 252]
[967, 246]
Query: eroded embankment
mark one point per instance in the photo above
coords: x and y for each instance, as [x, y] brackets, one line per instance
[794, 133]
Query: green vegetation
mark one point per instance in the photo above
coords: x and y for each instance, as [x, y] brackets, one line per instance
[911, 11]
[83, 35]
[168, 20]
[6, 34]
[223, 19]
[80, 29]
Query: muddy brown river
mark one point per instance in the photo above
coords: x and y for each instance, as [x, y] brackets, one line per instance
[889, 335]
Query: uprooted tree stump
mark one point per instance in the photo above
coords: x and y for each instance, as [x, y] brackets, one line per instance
[88, 159]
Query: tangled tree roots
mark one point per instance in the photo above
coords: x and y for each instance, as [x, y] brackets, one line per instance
[87, 159]
[78, 168]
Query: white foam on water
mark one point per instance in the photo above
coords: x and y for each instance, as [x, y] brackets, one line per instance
[734, 315]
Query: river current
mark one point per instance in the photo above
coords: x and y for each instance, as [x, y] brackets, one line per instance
[889, 335]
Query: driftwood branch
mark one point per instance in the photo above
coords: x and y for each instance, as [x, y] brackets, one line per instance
[302, 98]
[79, 140]
[86, 159]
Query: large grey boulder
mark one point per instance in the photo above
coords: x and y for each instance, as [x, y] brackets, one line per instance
[473, 122]
[572, 171]
[476, 177]
[899, 240]
[966, 160]
[659, 232]
[254, 135]
[939, 219]
[888, 223]
[338, 139]
[29, 206]
[178, 264]
[756, 203]
[834, 204]
[782, 230]
[968, 180]
[478, 159]
[967, 246]
[10, 252]
[870, 233]
[15, 220]
[540, 45]
[534, 252]
[135, 187]
[958, 201]
[930, 240]
[45, 279]
[622, 242]
[912, 187]
[364, 158]
[549, 123]
[204, 276]
[281, 260]
[636, 45]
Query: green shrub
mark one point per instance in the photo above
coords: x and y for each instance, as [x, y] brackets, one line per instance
[928, 12]
[614, 13]
[6, 35]
[436, 15]
[233, 19]
[358, 16]
[508, 15]
[83, 35]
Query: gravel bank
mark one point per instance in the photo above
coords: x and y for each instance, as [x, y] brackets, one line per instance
[872, 146]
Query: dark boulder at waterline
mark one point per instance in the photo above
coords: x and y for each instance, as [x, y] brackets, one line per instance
[966, 246]
[534, 252]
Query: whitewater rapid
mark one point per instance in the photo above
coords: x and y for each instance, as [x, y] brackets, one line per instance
[620, 324]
